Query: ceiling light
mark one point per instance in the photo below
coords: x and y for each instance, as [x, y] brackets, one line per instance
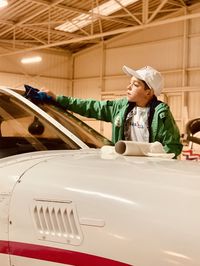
[3, 3]
[111, 7]
[30, 60]
[85, 19]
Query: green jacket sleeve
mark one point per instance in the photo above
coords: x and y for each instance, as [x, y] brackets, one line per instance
[101, 110]
[168, 133]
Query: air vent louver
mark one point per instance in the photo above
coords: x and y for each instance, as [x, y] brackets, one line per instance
[56, 221]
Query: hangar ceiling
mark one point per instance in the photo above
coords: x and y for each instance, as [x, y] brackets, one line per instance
[27, 25]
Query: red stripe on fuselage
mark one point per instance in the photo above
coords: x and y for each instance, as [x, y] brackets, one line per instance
[55, 254]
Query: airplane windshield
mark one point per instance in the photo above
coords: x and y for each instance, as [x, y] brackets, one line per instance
[88, 135]
[22, 130]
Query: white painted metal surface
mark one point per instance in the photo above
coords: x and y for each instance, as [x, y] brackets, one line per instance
[134, 210]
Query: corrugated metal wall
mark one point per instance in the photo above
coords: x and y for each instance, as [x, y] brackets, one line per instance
[51, 73]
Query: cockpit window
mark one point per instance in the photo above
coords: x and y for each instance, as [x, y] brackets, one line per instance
[22, 130]
[88, 135]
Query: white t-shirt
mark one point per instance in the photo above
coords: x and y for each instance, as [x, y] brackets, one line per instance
[138, 126]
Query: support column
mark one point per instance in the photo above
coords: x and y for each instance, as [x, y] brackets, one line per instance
[102, 78]
[184, 112]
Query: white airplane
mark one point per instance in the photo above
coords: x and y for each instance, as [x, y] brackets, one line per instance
[63, 203]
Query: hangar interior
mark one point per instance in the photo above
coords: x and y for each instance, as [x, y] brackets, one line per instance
[83, 45]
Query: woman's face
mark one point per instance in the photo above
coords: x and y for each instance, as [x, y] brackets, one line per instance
[136, 90]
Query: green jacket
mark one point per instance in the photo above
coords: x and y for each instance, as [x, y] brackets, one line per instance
[162, 126]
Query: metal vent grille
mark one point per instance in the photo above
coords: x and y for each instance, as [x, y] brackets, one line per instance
[56, 221]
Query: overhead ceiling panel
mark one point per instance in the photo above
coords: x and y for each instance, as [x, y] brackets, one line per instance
[27, 25]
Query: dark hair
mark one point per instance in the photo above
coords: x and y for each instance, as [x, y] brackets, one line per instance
[146, 87]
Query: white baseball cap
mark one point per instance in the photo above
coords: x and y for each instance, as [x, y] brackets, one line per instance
[151, 76]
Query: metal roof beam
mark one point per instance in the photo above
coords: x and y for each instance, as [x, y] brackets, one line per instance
[157, 10]
[127, 11]
[35, 38]
[54, 3]
[110, 33]
[145, 11]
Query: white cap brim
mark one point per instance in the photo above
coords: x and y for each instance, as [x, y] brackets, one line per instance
[132, 73]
